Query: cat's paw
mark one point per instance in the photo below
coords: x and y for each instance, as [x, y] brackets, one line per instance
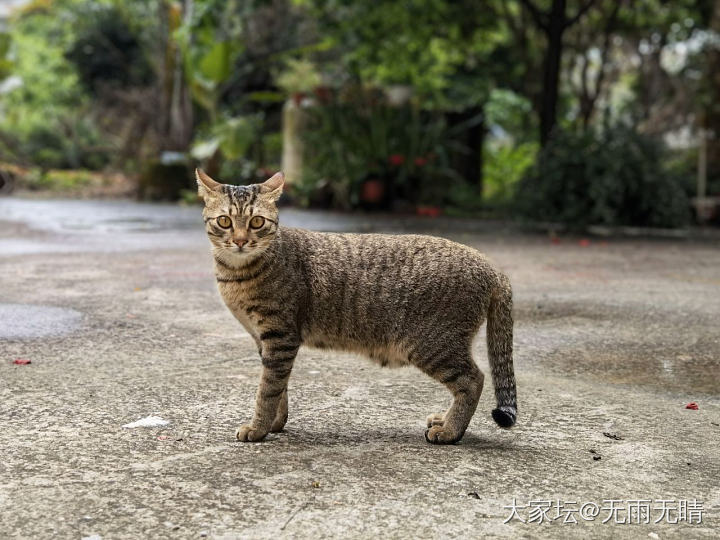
[440, 435]
[247, 433]
[436, 419]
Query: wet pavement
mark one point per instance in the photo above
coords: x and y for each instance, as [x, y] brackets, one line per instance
[115, 305]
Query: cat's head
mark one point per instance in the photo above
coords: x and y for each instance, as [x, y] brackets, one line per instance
[241, 221]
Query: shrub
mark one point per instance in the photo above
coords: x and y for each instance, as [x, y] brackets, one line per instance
[349, 140]
[505, 165]
[107, 51]
[59, 180]
[615, 177]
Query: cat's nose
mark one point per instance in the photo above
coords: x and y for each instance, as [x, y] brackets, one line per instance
[240, 242]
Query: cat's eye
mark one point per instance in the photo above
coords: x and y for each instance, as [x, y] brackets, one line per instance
[224, 222]
[256, 222]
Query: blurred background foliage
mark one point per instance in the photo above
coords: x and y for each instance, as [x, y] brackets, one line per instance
[575, 111]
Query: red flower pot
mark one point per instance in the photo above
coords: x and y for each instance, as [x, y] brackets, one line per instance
[429, 211]
[372, 191]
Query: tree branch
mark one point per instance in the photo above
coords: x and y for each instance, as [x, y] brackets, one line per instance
[583, 9]
[609, 29]
[538, 16]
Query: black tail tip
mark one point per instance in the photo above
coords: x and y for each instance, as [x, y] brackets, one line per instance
[503, 418]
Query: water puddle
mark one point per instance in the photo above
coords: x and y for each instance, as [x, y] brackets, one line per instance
[21, 321]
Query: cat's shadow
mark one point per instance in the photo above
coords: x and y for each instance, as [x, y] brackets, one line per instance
[388, 438]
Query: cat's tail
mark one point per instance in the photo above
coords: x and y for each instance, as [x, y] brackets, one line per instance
[500, 350]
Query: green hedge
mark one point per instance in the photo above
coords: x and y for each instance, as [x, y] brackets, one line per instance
[613, 177]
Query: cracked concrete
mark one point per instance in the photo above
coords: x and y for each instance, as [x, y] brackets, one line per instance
[615, 337]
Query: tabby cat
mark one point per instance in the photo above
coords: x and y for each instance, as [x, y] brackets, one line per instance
[401, 300]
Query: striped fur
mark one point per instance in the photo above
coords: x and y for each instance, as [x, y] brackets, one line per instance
[401, 300]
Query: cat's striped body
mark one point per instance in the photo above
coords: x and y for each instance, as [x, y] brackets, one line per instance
[400, 300]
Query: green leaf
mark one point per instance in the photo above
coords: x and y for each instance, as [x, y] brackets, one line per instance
[205, 149]
[217, 63]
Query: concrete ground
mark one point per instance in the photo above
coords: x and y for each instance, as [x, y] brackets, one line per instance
[115, 306]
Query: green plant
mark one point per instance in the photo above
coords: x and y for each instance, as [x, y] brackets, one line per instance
[464, 199]
[58, 180]
[232, 136]
[613, 177]
[358, 136]
[108, 51]
[298, 76]
[505, 165]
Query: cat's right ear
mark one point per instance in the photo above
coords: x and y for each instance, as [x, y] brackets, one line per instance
[207, 187]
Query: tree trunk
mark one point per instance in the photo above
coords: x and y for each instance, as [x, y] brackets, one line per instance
[712, 112]
[469, 164]
[551, 76]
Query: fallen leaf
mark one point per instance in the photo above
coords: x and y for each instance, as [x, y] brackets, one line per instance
[692, 405]
[474, 495]
[315, 484]
[613, 436]
[597, 458]
[21, 362]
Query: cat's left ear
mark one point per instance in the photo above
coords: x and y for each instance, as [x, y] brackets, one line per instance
[273, 187]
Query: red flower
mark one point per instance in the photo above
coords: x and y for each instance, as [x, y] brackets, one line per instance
[396, 159]
[420, 161]
[692, 405]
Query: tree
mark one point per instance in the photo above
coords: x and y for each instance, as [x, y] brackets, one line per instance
[593, 51]
[554, 23]
[444, 50]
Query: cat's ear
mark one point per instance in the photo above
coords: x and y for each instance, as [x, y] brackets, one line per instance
[207, 187]
[273, 187]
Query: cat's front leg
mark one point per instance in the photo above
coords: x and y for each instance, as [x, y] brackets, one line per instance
[282, 414]
[278, 354]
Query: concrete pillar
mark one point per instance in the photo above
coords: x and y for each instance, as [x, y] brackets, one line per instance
[292, 150]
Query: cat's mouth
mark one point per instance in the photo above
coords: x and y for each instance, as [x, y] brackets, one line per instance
[243, 252]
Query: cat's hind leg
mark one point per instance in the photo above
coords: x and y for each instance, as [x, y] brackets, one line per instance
[282, 414]
[458, 372]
